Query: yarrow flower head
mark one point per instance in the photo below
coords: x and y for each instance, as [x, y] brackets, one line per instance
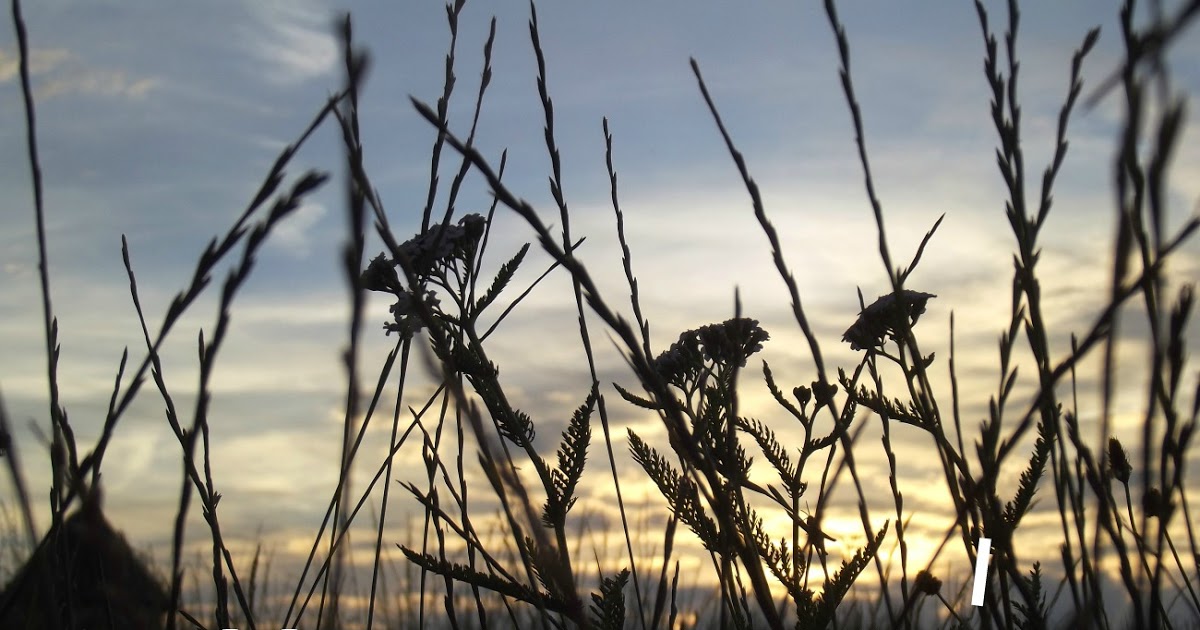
[733, 341]
[885, 318]
[442, 244]
[728, 343]
[926, 583]
[425, 253]
[680, 364]
[407, 317]
[473, 226]
[381, 276]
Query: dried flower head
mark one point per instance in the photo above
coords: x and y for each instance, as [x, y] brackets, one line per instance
[1157, 506]
[803, 395]
[884, 318]
[729, 343]
[732, 341]
[405, 313]
[823, 393]
[680, 364]
[380, 275]
[473, 225]
[1118, 462]
[441, 245]
[927, 584]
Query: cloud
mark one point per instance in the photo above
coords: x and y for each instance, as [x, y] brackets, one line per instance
[278, 387]
[62, 72]
[294, 235]
[103, 83]
[295, 40]
[41, 61]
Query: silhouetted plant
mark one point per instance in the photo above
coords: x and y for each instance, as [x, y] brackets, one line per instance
[524, 566]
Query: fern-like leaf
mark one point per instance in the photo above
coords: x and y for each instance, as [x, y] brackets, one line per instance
[572, 455]
[634, 399]
[1033, 616]
[778, 558]
[681, 493]
[608, 606]
[503, 277]
[825, 606]
[775, 453]
[1023, 500]
[894, 409]
[465, 574]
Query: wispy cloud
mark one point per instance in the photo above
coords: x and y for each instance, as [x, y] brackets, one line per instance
[108, 83]
[58, 72]
[294, 236]
[293, 39]
[41, 61]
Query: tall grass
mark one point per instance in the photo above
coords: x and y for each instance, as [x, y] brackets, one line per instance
[1129, 554]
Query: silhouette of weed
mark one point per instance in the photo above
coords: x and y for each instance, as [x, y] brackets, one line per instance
[524, 565]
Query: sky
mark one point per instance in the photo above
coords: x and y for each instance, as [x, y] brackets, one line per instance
[158, 122]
